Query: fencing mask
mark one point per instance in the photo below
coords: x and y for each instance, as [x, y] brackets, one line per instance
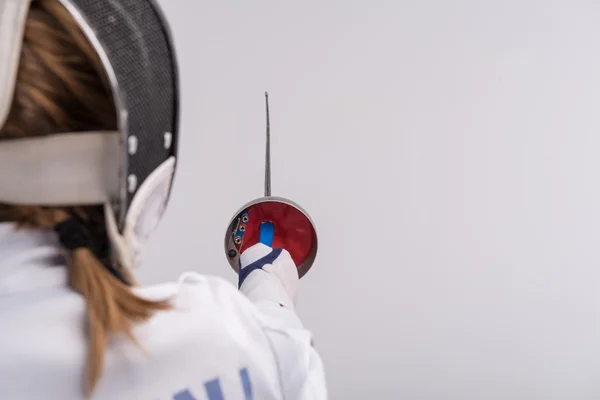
[130, 171]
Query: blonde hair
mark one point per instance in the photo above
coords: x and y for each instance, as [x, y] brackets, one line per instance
[61, 87]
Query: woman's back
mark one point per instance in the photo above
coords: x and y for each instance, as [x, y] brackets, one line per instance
[211, 345]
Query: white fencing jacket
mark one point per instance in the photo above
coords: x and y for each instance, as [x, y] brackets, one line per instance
[216, 344]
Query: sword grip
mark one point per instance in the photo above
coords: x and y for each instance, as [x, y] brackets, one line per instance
[267, 232]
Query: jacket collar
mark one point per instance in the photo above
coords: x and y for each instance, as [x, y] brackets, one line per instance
[30, 259]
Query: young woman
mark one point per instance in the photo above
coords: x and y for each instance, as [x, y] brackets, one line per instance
[73, 322]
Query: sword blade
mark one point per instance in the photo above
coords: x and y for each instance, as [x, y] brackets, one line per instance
[268, 151]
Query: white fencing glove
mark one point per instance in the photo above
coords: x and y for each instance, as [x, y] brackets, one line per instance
[268, 275]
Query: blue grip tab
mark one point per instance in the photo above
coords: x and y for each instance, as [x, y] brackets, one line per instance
[267, 232]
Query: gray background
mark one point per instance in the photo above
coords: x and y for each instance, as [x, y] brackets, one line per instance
[448, 152]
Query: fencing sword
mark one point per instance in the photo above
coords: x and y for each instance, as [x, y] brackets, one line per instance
[234, 235]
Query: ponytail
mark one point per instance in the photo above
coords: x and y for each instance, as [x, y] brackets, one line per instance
[112, 307]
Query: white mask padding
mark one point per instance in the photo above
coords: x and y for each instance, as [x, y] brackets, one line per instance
[70, 168]
[143, 216]
[13, 14]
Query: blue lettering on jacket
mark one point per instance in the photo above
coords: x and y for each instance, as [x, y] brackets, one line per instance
[215, 392]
